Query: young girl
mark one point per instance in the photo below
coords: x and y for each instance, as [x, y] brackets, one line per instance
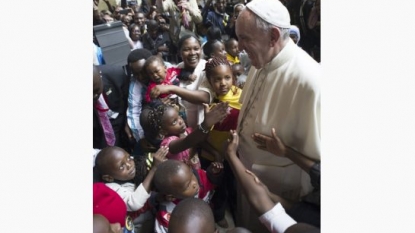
[131, 179]
[220, 77]
[168, 125]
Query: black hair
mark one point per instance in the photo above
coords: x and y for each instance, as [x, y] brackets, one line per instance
[184, 38]
[213, 33]
[209, 47]
[102, 167]
[191, 210]
[152, 59]
[152, 25]
[165, 171]
[228, 42]
[138, 54]
[219, 61]
[155, 117]
[214, 62]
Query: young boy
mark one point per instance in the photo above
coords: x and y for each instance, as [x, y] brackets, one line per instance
[231, 47]
[177, 181]
[126, 177]
[195, 215]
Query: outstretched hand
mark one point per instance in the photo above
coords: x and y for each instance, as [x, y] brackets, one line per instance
[232, 145]
[160, 155]
[271, 144]
[214, 115]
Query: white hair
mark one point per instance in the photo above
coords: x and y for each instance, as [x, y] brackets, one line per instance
[266, 27]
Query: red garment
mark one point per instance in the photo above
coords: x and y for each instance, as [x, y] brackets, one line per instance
[109, 204]
[166, 208]
[171, 79]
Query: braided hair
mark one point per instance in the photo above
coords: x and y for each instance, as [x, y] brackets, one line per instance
[218, 61]
[155, 118]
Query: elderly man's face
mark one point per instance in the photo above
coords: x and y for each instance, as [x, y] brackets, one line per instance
[254, 41]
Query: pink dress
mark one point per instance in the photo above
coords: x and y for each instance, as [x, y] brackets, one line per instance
[183, 156]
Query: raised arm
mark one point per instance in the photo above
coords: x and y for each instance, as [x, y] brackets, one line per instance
[194, 97]
[255, 191]
[218, 113]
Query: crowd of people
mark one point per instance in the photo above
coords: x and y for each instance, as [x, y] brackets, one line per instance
[216, 111]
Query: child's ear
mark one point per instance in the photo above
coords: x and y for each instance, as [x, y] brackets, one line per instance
[107, 178]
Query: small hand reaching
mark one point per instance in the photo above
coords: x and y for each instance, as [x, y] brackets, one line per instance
[160, 155]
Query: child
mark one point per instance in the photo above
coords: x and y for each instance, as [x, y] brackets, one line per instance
[168, 125]
[239, 74]
[232, 50]
[159, 74]
[214, 48]
[101, 225]
[178, 181]
[118, 170]
[195, 215]
[220, 77]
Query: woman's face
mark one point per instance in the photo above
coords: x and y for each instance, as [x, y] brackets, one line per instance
[191, 52]
[135, 33]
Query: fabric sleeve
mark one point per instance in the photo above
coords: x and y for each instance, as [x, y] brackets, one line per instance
[134, 199]
[205, 86]
[134, 109]
[276, 220]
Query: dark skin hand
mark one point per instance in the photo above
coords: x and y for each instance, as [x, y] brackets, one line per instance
[274, 145]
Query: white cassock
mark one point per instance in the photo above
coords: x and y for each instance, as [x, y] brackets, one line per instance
[285, 94]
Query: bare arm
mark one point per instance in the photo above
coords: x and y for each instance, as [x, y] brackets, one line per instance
[255, 192]
[218, 113]
[274, 145]
[194, 97]
[159, 157]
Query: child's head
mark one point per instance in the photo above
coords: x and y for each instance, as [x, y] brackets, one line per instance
[192, 215]
[136, 60]
[155, 69]
[237, 70]
[214, 33]
[214, 48]
[114, 163]
[231, 47]
[165, 120]
[219, 74]
[151, 137]
[175, 179]
[101, 225]
[295, 34]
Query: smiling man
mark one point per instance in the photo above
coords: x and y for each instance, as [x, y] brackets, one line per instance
[282, 91]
